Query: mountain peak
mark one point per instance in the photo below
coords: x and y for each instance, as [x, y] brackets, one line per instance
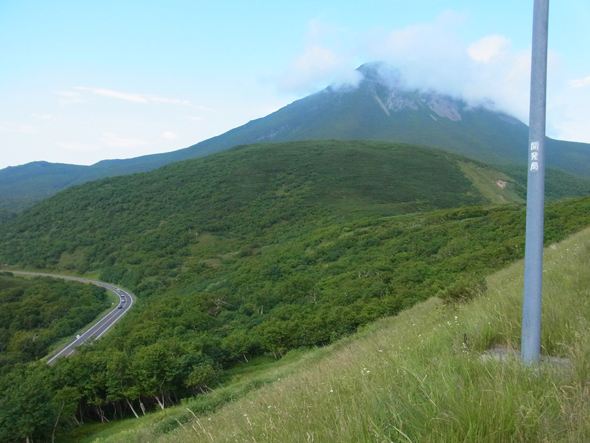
[385, 83]
[382, 73]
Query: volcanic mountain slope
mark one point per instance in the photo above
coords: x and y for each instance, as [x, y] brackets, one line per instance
[379, 108]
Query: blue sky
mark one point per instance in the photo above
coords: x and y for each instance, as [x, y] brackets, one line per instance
[83, 81]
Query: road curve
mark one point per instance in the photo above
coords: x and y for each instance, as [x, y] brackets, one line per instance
[101, 326]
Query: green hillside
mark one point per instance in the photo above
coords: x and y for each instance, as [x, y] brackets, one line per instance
[434, 373]
[34, 313]
[246, 193]
[259, 250]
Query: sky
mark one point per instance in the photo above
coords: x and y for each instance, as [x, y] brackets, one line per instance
[84, 81]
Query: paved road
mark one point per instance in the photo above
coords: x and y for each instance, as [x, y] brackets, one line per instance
[100, 327]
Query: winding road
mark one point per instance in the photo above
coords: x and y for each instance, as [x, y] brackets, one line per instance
[101, 326]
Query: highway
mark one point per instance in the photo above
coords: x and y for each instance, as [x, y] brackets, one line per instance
[100, 327]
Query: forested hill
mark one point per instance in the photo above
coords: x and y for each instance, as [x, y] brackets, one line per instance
[35, 312]
[246, 192]
[262, 249]
[252, 195]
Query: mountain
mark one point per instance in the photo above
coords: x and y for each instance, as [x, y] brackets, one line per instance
[379, 109]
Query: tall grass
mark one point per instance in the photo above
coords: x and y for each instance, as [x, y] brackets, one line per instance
[420, 376]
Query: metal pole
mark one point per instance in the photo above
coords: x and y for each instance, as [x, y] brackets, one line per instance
[533, 262]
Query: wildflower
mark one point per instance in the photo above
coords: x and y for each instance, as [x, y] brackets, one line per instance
[331, 390]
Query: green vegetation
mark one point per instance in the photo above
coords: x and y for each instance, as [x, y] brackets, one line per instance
[427, 375]
[34, 313]
[558, 184]
[260, 250]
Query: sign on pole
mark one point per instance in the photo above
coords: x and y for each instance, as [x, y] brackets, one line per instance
[533, 261]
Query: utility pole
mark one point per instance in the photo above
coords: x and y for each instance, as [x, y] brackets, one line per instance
[533, 260]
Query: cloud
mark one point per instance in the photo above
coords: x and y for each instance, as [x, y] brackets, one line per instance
[71, 98]
[487, 48]
[568, 112]
[169, 135]
[430, 55]
[580, 82]
[43, 116]
[315, 64]
[69, 94]
[499, 73]
[116, 141]
[137, 98]
[318, 63]
[173, 101]
[130, 97]
[15, 127]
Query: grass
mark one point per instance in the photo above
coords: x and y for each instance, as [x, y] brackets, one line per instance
[488, 182]
[417, 377]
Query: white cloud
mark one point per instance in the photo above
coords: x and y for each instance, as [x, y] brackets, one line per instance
[169, 135]
[136, 98]
[68, 94]
[315, 64]
[487, 48]
[172, 101]
[429, 55]
[502, 75]
[43, 116]
[318, 63]
[568, 112]
[16, 127]
[580, 82]
[127, 96]
[71, 98]
[116, 141]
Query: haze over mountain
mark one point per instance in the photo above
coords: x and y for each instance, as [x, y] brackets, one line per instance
[378, 108]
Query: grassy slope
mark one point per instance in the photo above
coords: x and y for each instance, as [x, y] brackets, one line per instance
[413, 378]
